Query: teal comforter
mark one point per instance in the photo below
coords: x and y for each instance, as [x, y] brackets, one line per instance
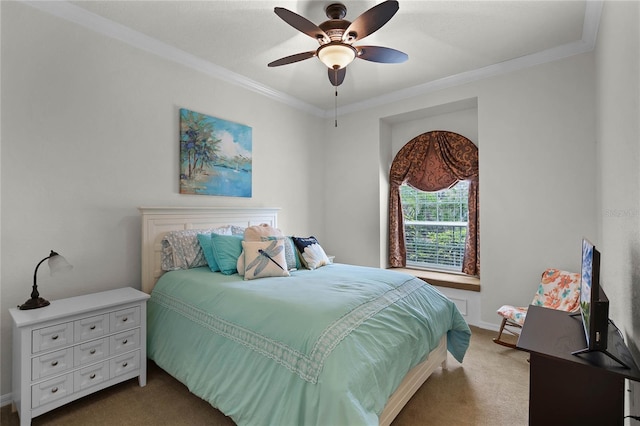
[321, 347]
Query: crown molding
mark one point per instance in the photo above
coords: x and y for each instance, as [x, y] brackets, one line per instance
[591, 23]
[500, 68]
[80, 16]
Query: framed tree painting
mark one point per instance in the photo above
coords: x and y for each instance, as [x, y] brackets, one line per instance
[215, 156]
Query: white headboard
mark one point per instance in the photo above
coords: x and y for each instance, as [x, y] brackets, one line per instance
[157, 221]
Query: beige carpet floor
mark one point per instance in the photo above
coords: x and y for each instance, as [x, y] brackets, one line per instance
[491, 387]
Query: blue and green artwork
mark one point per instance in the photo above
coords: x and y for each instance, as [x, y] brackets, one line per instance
[215, 156]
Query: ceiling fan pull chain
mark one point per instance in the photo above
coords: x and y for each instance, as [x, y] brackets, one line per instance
[336, 108]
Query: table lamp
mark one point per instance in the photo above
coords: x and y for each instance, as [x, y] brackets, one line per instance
[57, 264]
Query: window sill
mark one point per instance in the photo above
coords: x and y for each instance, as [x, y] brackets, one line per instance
[443, 279]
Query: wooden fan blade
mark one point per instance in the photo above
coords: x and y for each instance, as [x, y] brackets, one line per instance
[302, 24]
[293, 58]
[336, 77]
[370, 21]
[385, 55]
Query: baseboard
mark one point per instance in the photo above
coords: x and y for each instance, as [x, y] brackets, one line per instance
[5, 400]
[487, 326]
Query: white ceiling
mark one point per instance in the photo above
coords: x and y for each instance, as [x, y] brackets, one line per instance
[448, 42]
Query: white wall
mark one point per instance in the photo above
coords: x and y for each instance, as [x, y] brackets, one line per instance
[459, 117]
[537, 152]
[618, 100]
[90, 132]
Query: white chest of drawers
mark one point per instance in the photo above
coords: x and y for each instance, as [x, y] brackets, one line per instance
[75, 347]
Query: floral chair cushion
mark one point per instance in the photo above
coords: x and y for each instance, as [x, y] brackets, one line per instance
[557, 290]
[515, 314]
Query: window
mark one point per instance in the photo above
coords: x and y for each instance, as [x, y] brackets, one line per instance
[435, 226]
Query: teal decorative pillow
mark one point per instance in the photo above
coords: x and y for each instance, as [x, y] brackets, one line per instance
[207, 249]
[226, 250]
[264, 259]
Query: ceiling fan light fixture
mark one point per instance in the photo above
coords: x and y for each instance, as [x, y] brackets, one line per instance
[336, 55]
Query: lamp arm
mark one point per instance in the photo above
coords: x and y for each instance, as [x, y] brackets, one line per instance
[34, 292]
[36, 301]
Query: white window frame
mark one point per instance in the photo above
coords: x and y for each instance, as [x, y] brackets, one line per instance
[455, 252]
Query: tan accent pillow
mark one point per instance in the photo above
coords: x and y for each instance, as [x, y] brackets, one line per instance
[257, 232]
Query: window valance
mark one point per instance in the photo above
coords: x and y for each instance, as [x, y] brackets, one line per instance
[434, 161]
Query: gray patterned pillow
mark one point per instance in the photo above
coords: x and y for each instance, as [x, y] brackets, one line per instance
[181, 249]
[237, 230]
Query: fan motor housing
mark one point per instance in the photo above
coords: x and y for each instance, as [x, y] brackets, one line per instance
[334, 28]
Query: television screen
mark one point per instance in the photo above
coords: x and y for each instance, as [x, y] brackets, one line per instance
[590, 292]
[594, 304]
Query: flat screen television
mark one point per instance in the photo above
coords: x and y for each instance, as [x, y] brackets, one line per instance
[594, 304]
[590, 300]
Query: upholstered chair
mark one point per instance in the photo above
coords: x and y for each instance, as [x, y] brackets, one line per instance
[557, 290]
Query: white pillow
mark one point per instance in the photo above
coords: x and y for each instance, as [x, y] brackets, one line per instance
[264, 259]
[312, 253]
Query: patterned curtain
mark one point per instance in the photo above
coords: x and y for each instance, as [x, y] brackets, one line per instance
[431, 162]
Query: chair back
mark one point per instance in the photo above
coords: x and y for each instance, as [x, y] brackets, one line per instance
[558, 290]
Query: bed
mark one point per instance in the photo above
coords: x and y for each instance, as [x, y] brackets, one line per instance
[340, 344]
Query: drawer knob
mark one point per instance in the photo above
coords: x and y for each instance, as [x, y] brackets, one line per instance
[92, 351]
[93, 327]
[93, 376]
[124, 319]
[124, 364]
[124, 342]
[54, 363]
[54, 337]
[54, 390]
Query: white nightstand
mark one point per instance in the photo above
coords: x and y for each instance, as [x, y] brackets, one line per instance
[77, 346]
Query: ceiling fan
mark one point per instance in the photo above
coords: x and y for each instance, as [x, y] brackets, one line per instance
[337, 35]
